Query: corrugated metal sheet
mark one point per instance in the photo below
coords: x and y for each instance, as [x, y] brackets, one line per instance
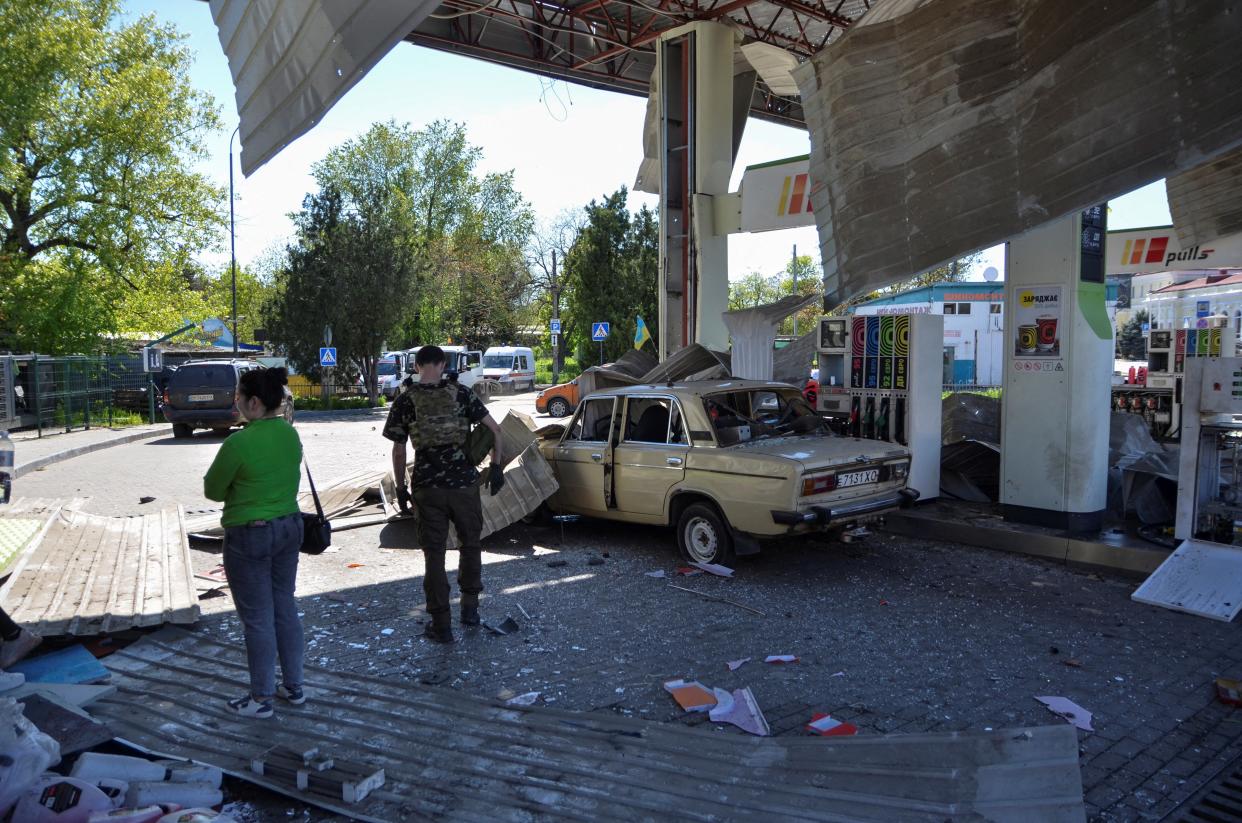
[88, 574]
[449, 756]
[943, 126]
[291, 61]
[1206, 202]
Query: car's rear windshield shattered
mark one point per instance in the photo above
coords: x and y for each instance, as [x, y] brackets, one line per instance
[221, 376]
[741, 416]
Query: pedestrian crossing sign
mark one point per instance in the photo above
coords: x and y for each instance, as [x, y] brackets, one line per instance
[327, 356]
[599, 331]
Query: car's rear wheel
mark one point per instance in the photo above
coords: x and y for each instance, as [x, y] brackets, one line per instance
[559, 407]
[703, 535]
[182, 430]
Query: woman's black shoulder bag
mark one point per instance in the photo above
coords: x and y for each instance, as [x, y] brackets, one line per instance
[316, 530]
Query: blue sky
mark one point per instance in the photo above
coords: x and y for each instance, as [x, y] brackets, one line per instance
[566, 144]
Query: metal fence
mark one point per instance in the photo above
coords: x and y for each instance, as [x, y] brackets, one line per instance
[73, 392]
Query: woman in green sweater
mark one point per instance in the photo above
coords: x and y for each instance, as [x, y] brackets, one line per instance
[256, 473]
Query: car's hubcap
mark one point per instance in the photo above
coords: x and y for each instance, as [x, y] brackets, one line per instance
[558, 409]
[701, 540]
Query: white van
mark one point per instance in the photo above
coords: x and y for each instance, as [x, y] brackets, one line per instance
[512, 366]
[468, 363]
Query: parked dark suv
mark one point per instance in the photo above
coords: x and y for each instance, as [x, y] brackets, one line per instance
[202, 395]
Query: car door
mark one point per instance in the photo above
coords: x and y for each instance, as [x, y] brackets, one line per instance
[650, 457]
[584, 457]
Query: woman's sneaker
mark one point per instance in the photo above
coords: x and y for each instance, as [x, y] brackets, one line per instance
[292, 694]
[249, 707]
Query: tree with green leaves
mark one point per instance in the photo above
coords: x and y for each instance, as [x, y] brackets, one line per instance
[1131, 342]
[403, 243]
[100, 129]
[611, 271]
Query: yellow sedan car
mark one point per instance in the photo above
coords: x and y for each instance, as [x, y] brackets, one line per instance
[727, 463]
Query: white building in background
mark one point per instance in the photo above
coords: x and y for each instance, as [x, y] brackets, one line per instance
[974, 336]
[1187, 299]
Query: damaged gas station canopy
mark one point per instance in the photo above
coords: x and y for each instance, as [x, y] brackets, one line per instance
[943, 126]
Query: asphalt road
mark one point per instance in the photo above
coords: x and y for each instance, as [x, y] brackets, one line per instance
[170, 470]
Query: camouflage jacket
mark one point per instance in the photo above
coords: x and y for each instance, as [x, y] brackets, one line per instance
[441, 467]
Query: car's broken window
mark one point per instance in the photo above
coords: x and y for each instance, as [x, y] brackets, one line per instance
[746, 415]
[648, 420]
[593, 421]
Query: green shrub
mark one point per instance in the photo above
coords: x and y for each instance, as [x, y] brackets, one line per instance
[338, 403]
[543, 370]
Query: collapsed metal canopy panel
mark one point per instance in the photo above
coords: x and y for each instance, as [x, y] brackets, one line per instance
[87, 574]
[450, 756]
[291, 60]
[942, 126]
[1206, 202]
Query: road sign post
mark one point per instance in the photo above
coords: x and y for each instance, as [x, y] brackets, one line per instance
[599, 333]
[556, 350]
[327, 362]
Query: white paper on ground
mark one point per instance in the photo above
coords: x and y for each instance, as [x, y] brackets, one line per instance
[742, 710]
[1070, 710]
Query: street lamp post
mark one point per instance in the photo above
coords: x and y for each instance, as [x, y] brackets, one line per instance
[233, 238]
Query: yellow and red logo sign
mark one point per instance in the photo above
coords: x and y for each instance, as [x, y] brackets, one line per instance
[797, 202]
[1155, 251]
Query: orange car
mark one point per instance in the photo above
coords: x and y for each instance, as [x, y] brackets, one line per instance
[558, 401]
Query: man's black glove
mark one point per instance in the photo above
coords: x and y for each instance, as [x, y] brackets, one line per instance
[496, 479]
[403, 499]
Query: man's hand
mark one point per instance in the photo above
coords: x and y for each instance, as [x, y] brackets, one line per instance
[403, 499]
[496, 479]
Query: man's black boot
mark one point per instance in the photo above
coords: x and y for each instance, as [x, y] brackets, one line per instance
[470, 615]
[439, 632]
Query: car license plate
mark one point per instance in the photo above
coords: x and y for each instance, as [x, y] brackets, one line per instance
[844, 481]
[200, 398]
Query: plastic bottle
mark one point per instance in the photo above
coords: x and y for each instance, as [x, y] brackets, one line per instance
[6, 466]
[147, 814]
[57, 799]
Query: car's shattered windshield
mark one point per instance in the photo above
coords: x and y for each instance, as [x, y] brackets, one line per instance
[741, 416]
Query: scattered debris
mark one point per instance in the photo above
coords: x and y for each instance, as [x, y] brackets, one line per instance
[686, 571]
[524, 612]
[741, 709]
[734, 665]
[658, 573]
[216, 574]
[386, 632]
[355, 565]
[1068, 709]
[825, 726]
[1073, 662]
[781, 658]
[883, 602]
[1054, 650]
[714, 568]
[556, 564]
[317, 773]
[73, 664]
[854, 535]
[718, 599]
[837, 674]
[1229, 691]
[142, 501]
[509, 626]
[527, 699]
[692, 696]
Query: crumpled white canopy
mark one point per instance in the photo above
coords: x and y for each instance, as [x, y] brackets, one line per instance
[292, 60]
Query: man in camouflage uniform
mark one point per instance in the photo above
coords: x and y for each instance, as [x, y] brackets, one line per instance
[436, 416]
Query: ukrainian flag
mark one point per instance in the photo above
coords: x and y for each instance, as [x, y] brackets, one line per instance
[641, 335]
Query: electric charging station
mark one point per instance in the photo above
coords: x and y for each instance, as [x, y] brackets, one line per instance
[883, 375]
